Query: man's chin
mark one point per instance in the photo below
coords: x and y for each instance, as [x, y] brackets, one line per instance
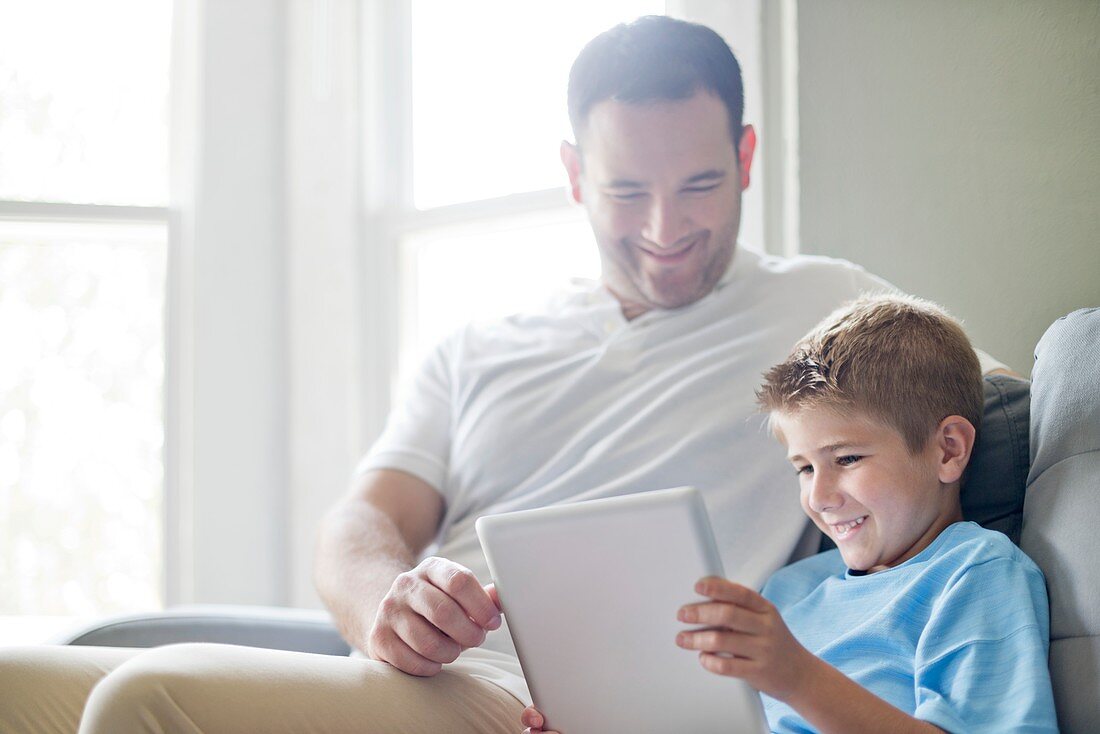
[668, 297]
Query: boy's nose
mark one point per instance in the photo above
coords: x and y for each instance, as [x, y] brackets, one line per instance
[824, 495]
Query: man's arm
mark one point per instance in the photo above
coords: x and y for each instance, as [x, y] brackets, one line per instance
[990, 365]
[415, 617]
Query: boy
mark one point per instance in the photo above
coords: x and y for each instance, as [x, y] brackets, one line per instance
[919, 621]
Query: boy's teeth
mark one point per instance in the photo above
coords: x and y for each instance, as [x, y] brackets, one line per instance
[847, 527]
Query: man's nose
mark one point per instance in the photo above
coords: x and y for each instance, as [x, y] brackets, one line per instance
[666, 222]
[824, 494]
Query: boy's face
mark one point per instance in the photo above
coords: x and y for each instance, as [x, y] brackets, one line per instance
[860, 484]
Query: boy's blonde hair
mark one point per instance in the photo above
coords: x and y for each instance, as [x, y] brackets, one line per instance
[901, 360]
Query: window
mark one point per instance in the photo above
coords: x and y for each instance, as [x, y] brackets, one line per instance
[485, 226]
[83, 251]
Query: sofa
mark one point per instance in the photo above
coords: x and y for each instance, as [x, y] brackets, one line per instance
[1035, 476]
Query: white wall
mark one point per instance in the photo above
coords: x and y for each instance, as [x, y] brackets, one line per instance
[954, 149]
[328, 380]
[227, 375]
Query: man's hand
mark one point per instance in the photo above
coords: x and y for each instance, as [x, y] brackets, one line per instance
[430, 615]
[745, 638]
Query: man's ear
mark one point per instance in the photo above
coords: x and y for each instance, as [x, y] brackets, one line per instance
[745, 150]
[571, 159]
[955, 443]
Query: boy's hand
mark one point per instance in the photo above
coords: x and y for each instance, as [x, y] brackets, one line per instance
[745, 638]
[532, 719]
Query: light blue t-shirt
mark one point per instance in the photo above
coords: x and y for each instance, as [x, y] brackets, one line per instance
[956, 636]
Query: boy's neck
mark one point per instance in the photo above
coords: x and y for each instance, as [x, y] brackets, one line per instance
[946, 519]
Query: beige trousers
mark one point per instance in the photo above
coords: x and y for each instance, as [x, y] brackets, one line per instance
[225, 688]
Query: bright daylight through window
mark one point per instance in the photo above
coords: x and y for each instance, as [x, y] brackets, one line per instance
[83, 246]
[488, 114]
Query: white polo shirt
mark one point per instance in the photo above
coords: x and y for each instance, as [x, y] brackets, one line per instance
[577, 403]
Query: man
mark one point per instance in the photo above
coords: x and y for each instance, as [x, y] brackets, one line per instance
[642, 381]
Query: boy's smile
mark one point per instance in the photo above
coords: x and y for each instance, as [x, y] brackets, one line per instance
[863, 488]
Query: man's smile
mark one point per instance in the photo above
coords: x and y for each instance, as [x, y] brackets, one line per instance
[670, 256]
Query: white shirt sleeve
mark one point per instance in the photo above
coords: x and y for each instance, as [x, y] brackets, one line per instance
[867, 283]
[417, 436]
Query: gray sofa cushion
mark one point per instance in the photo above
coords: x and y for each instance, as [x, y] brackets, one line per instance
[1062, 506]
[300, 630]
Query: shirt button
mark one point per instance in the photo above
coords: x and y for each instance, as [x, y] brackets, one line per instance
[610, 326]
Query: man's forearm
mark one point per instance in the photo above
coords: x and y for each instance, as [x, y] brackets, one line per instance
[360, 552]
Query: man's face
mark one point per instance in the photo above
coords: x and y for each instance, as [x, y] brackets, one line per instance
[863, 488]
[662, 185]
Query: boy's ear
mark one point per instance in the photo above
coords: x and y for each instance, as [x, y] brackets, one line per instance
[955, 442]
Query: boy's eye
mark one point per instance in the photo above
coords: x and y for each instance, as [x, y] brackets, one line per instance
[808, 469]
[628, 197]
[848, 460]
[700, 189]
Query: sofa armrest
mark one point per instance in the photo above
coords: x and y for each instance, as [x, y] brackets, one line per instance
[301, 630]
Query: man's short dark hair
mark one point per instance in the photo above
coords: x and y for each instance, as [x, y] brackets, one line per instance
[655, 58]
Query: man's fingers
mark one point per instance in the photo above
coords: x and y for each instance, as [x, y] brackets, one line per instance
[445, 613]
[461, 585]
[426, 640]
[389, 648]
[722, 589]
[491, 590]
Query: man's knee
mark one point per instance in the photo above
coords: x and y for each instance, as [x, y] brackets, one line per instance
[143, 692]
[43, 687]
[200, 687]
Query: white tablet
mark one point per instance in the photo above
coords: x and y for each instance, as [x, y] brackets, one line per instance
[590, 591]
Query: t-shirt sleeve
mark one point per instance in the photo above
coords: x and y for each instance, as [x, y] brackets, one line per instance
[866, 283]
[417, 436]
[981, 662]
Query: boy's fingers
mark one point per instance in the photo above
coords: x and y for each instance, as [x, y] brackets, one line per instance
[721, 614]
[734, 667]
[531, 717]
[725, 590]
[712, 640]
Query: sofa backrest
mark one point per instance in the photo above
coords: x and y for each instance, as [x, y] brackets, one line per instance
[1062, 509]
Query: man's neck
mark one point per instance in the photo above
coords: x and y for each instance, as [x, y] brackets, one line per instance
[631, 309]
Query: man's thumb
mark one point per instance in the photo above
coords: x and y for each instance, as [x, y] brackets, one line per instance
[491, 590]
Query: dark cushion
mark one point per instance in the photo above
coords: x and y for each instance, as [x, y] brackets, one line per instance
[993, 492]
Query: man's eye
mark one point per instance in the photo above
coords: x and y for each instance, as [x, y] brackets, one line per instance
[633, 196]
[804, 469]
[848, 460]
[700, 189]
